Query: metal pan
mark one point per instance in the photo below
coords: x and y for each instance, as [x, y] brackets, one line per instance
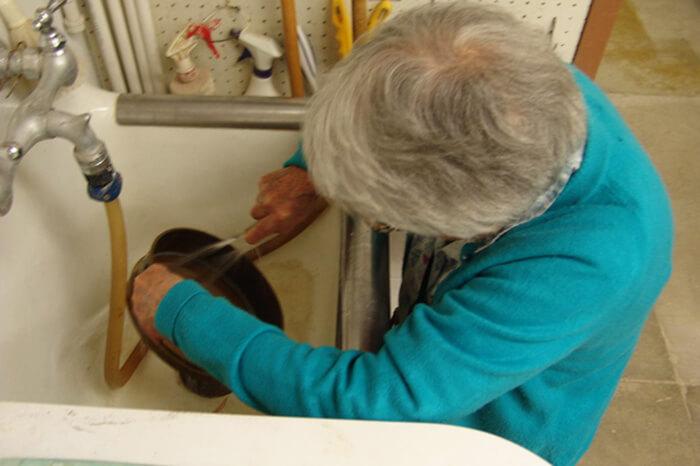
[241, 283]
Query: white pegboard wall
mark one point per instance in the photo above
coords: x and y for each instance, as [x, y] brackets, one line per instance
[261, 16]
[265, 17]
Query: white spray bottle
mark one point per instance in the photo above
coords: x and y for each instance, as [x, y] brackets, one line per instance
[190, 79]
[264, 50]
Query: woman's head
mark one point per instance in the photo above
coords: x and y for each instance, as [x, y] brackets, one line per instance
[450, 120]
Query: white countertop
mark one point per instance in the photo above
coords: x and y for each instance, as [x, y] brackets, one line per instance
[174, 438]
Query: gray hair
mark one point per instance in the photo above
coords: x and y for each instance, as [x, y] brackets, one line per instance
[450, 120]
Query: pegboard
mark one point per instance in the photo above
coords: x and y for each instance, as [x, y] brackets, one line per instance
[261, 16]
[265, 17]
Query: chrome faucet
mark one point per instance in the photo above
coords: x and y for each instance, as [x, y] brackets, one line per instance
[35, 120]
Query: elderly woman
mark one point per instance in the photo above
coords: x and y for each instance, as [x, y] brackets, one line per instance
[539, 239]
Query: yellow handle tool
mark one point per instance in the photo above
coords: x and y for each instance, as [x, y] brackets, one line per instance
[380, 13]
[343, 27]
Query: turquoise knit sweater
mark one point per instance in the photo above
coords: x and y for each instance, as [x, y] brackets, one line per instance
[526, 340]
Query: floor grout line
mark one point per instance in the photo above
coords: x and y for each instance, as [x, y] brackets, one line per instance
[649, 381]
[676, 375]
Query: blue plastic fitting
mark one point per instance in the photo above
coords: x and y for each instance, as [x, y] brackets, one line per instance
[108, 192]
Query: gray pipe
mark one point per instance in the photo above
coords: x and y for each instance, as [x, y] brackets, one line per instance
[363, 299]
[210, 111]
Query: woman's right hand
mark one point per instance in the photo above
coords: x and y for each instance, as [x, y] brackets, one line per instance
[287, 203]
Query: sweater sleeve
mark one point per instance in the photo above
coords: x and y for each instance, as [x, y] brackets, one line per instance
[297, 159]
[445, 361]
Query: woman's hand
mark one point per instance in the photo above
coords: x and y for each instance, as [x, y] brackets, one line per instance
[287, 203]
[150, 287]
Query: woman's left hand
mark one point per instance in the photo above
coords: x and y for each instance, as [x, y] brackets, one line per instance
[150, 287]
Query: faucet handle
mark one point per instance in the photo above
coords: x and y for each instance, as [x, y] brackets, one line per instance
[44, 16]
[43, 22]
[54, 5]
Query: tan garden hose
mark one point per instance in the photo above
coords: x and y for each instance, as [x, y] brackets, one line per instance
[291, 48]
[116, 375]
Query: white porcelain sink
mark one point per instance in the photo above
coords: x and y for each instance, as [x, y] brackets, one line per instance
[55, 256]
[151, 437]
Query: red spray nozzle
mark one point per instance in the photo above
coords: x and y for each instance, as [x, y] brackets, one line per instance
[203, 30]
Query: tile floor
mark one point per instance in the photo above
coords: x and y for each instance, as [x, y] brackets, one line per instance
[651, 70]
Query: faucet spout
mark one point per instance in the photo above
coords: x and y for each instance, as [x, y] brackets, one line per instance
[35, 120]
[89, 150]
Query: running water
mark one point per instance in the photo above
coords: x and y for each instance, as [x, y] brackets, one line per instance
[239, 248]
[208, 250]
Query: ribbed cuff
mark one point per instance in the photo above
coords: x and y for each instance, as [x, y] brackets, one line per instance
[172, 305]
[297, 160]
[211, 331]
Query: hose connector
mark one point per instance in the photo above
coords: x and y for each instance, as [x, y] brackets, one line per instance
[104, 187]
[104, 182]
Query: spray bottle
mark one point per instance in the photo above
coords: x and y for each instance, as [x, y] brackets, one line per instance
[264, 50]
[189, 79]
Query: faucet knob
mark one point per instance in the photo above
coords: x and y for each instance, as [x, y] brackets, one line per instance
[44, 16]
[43, 22]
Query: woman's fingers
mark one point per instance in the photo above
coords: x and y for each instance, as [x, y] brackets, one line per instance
[259, 211]
[270, 179]
[286, 203]
[150, 287]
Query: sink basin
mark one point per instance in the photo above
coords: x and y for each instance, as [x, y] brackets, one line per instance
[46, 462]
[55, 250]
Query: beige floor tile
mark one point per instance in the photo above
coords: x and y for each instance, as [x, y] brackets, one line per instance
[646, 425]
[650, 360]
[670, 20]
[641, 62]
[693, 401]
[668, 127]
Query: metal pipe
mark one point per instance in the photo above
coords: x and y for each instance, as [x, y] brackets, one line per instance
[73, 19]
[210, 111]
[363, 291]
[126, 52]
[132, 21]
[74, 24]
[105, 42]
[150, 41]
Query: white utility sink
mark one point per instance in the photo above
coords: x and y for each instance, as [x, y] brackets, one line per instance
[157, 437]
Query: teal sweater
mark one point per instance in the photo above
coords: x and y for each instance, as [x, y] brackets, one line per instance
[526, 340]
